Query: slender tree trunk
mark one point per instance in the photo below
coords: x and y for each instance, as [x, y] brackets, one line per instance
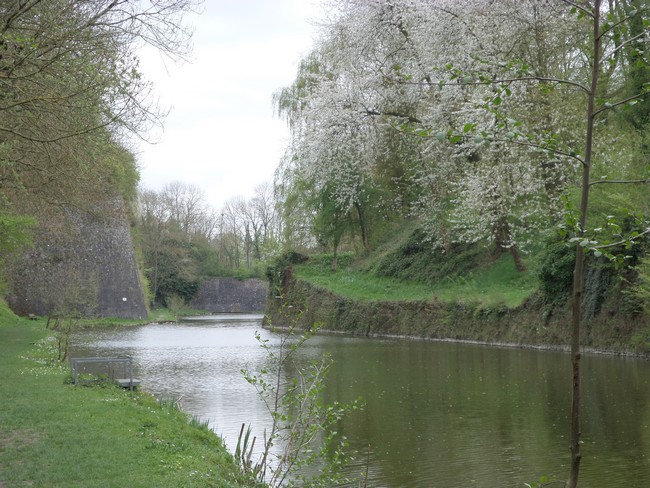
[444, 232]
[578, 273]
[516, 257]
[363, 225]
[504, 243]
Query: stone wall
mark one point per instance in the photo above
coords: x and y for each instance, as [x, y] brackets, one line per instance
[80, 263]
[223, 295]
[531, 324]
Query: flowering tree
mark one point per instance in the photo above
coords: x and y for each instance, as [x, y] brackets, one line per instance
[509, 109]
[371, 95]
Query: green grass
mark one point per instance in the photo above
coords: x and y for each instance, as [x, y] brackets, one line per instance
[499, 283]
[54, 434]
[155, 316]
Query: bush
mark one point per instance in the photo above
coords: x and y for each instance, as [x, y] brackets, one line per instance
[556, 271]
[417, 260]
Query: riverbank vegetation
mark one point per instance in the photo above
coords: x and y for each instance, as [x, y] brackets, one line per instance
[503, 125]
[476, 148]
[481, 279]
[56, 434]
[480, 162]
[437, 165]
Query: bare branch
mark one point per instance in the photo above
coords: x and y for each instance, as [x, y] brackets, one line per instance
[617, 104]
[628, 41]
[504, 80]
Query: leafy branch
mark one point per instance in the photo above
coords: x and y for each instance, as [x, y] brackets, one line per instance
[301, 431]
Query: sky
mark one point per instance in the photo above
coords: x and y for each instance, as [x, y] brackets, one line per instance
[221, 134]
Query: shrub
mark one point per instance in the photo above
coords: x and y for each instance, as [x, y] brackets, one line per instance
[556, 271]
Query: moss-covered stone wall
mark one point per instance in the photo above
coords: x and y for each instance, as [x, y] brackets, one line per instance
[532, 324]
[223, 295]
[81, 263]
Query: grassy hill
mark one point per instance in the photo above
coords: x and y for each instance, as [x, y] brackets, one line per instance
[472, 293]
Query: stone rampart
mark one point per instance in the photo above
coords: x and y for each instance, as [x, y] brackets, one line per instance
[223, 295]
[80, 264]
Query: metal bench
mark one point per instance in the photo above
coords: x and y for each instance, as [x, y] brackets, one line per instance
[128, 381]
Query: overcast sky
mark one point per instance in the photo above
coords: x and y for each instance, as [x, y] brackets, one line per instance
[221, 134]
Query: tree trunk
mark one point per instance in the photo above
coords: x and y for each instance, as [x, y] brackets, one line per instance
[504, 242]
[444, 233]
[519, 264]
[363, 226]
[578, 272]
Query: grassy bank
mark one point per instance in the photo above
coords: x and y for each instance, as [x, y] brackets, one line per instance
[54, 434]
[499, 283]
[470, 294]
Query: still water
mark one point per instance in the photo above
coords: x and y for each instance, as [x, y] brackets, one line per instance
[436, 414]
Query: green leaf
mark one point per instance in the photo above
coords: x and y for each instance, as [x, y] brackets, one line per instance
[468, 127]
[455, 139]
[497, 101]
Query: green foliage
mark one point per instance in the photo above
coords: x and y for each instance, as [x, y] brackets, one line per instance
[331, 221]
[281, 268]
[543, 481]
[417, 260]
[15, 232]
[302, 432]
[556, 270]
[497, 283]
[7, 317]
[123, 172]
[323, 261]
[636, 296]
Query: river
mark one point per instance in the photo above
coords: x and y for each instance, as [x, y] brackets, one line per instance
[437, 414]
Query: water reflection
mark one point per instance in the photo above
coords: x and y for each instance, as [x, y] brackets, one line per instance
[436, 415]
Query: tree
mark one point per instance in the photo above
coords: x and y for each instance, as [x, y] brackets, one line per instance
[176, 229]
[516, 105]
[70, 93]
[302, 433]
[69, 72]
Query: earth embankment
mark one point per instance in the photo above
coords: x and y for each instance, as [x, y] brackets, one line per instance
[533, 324]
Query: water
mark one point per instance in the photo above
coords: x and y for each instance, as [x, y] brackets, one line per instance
[437, 414]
